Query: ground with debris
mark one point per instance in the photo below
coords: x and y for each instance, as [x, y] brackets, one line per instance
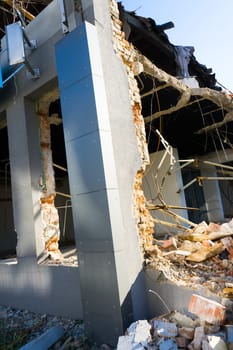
[202, 256]
[19, 327]
[207, 325]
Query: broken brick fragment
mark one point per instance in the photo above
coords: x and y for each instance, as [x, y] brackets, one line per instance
[207, 310]
[168, 243]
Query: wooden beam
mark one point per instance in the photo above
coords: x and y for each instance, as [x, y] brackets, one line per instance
[12, 4]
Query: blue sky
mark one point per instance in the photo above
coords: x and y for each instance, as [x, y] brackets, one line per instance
[205, 24]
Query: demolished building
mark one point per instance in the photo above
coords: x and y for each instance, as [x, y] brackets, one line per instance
[111, 137]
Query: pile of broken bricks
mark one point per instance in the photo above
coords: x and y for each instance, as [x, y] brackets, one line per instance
[202, 256]
[205, 326]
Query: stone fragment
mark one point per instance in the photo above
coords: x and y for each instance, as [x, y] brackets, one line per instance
[207, 310]
[168, 344]
[205, 345]
[210, 328]
[140, 332]
[199, 336]
[227, 242]
[229, 333]
[183, 320]
[168, 243]
[164, 329]
[124, 343]
[216, 343]
[182, 342]
[186, 332]
[45, 340]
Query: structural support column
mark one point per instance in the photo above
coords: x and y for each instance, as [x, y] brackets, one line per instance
[212, 195]
[24, 150]
[99, 229]
[50, 218]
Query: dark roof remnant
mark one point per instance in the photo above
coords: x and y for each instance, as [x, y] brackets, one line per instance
[152, 41]
[12, 10]
[180, 96]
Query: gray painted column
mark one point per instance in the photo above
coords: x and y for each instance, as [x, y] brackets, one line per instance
[99, 229]
[212, 195]
[24, 150]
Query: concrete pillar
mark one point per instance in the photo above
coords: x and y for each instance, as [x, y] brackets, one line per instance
[99, 228]
[212, 195]
[24, 150]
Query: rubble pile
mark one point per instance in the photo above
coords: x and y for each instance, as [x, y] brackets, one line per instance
[202, 256]
[204, 327]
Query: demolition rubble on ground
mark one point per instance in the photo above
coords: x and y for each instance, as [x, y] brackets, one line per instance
[197, 257]
[205, 327]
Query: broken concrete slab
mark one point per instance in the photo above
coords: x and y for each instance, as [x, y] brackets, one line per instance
[168, 344]
[216, 343]
[164, 329]
[199, 336]
[186, 332]
[183, 320]
[229, 333]
[137, 336]
[46, 340]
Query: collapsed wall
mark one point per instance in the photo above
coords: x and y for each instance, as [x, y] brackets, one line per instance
[171, 257]
[49, 214]
[126, 52]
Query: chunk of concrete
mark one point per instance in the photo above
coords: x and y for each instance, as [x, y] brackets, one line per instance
[216, 343]
[182, 342]
[186, 332]
[164, 329]
[183, 320]
[199, 336]
[46, 340]
[229, 333]
[140, 332]
[168, 344]
[124, 342]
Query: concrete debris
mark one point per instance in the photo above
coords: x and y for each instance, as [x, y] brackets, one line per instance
[188, 258]
[183, 321]
[216, 342]
[199, 329]
[137, 336]
[166, 344]
[164, 329]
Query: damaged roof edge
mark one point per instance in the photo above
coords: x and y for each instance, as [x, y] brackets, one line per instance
[144, 32]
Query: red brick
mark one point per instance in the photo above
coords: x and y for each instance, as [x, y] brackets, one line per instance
[207, 310]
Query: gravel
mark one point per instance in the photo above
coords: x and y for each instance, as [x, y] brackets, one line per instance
[18, 327]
